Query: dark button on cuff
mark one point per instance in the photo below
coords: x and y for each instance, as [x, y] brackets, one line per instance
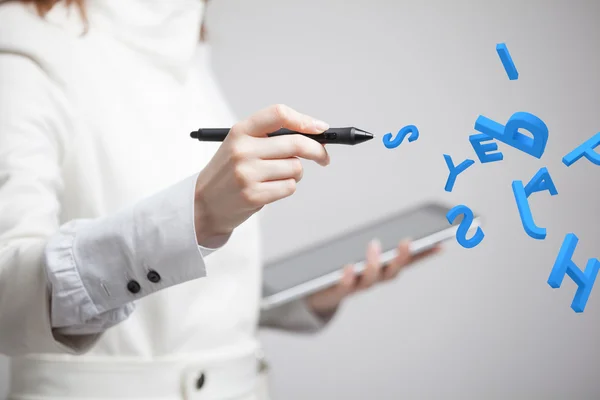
[153, 276]
[200, 381]
[133, 286]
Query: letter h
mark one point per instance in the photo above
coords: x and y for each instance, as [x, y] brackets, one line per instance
[564, 265]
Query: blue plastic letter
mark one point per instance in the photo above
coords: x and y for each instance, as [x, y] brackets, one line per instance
[585, 149]
[402, 133]
[525, 212]
[510, 134]
[482, 149]
[565, 265]
[507, 62]
[540, 182]
[455, 171]
[489, 127]
[464, 227]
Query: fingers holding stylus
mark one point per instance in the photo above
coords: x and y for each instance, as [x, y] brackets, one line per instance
[251, 140]
[273, 170]
[251, 169]
[286, 146]
[279, 116]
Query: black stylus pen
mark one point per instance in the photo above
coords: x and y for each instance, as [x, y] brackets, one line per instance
[348, 135]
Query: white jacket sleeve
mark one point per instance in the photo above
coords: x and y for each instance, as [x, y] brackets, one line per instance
[61, 285]
[295, 316]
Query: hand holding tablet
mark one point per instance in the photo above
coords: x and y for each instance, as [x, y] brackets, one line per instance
[322, 266]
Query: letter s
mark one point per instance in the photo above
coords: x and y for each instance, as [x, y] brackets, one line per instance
[391, 143]
[465, 226]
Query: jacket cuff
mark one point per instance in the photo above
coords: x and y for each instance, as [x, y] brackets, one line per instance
[217, 244]
[67, 290]
[104, 265]
[73, 312]
[294, 316]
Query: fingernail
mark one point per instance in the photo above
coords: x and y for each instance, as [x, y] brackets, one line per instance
[376, 243]
[321, 126]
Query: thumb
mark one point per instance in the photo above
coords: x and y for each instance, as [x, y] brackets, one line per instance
[346, 285]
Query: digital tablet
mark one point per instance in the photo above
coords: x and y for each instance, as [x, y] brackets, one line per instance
[320, 266]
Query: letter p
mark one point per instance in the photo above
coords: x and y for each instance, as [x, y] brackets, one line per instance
[564, 265]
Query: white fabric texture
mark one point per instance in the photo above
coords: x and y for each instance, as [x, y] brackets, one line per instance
[230, 376]
[89, 262]
[96, 189]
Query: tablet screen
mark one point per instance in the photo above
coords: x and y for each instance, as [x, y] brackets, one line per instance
[349, 248]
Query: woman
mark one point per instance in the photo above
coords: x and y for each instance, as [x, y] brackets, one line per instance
[129, 255]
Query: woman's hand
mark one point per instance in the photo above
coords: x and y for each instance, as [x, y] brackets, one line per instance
[250, 170]
[325, 302]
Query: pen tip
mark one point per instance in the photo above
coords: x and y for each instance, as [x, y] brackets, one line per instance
[362, 136]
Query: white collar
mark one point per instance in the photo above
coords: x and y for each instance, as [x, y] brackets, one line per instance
[165, 31]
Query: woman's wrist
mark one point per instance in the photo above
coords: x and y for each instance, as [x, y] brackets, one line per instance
[323, 312]
[207, 233]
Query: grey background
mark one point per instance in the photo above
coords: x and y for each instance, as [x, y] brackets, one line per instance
[470, 324]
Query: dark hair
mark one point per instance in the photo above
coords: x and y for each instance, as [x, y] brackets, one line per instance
[43, 6]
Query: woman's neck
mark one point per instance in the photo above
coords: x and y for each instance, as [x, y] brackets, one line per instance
[165, 31]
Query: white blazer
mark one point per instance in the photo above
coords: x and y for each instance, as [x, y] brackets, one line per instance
[104, 292]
